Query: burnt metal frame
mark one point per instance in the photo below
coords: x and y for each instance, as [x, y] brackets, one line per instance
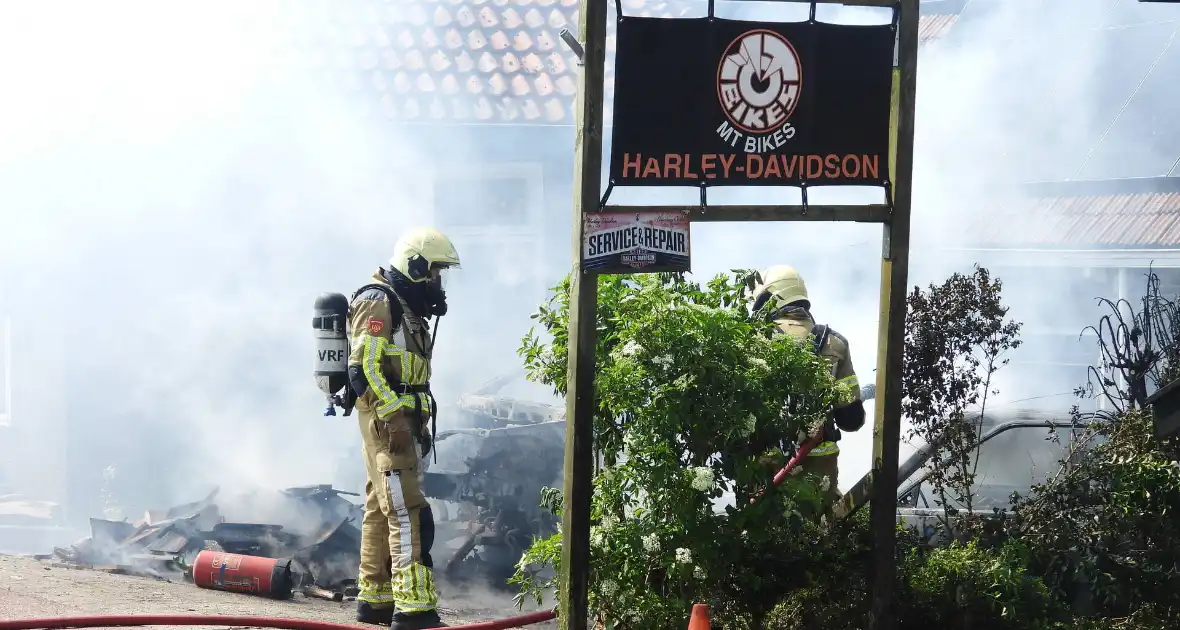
[914, 462]
[894, 216]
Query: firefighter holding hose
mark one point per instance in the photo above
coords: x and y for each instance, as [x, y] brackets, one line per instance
[782, 287]
[389, 372]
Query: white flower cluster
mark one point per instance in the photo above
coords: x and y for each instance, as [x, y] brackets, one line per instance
[631, 349]
[597, 536]
[698, 573]
[663, 360]
[760, 362]
[683, 556]
[609, 521]
[608, 588]
[702, 479]
[651, 543]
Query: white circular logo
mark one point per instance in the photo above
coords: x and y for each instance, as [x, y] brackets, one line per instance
[759, 80]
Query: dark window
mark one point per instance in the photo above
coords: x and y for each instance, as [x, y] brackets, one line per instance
[481, 201]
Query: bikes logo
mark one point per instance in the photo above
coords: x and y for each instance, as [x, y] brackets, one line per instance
[759, 80]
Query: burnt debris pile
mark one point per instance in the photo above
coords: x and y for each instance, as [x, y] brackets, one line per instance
[314, 526]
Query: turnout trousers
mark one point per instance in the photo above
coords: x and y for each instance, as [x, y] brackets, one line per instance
[397, 530]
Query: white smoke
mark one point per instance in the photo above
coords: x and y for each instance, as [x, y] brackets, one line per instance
[174, 193]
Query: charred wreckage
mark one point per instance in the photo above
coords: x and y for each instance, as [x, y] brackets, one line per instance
[484, 484]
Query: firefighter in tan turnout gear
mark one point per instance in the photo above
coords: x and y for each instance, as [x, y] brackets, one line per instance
[389, 370]
[790, 308]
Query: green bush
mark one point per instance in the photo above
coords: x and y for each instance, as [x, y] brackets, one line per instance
[1104, 530]
[966, 586]
[693, 396]
[692, 393]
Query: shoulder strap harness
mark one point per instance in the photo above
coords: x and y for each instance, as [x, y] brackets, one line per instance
[820, 332]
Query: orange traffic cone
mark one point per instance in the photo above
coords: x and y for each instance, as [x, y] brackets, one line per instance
[700, 617]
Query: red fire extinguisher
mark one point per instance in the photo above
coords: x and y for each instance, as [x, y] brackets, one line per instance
[253, 575]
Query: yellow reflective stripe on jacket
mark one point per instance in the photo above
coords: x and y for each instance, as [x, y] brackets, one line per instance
[413, 367]
[848, 390]
[414, 590]
[824, 448]
[408, 401]
[413, 371]
[374, 350]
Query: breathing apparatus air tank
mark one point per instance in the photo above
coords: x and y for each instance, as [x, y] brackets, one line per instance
[330, 323]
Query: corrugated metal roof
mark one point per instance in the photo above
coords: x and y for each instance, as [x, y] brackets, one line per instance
[1114, 220]
[934, 26]
[471, 60]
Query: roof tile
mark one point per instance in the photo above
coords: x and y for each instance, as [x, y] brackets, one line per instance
[481, 60]
[1117, 220]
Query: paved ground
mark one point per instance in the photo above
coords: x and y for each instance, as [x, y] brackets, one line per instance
[31, 588]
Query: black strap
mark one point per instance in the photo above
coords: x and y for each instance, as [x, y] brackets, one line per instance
[395, 305]
[403, 388]
[820, 332]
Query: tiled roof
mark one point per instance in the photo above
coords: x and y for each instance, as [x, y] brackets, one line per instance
[1127, 219]
[474, 61]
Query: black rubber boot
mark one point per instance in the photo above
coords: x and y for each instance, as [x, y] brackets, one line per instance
[365, 613]
[416, 621]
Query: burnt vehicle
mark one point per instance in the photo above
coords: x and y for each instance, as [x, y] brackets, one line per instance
[1015, 451]
[484, 483]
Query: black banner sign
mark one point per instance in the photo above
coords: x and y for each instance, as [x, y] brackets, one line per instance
[732, 103]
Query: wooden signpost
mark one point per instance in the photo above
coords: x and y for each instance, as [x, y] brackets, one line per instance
[707, 102]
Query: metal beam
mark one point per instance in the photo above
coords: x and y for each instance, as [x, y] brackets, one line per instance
[850, 3]
[583, 320]
[876, 213]
[891, 332]
[1004, 258]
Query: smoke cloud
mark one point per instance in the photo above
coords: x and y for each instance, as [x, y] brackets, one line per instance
[173, 197]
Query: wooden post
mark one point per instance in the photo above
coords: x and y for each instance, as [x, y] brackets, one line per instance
[894, 284]
[579, 398]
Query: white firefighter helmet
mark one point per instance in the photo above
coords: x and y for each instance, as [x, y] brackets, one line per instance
[782, 284]
[422, 253]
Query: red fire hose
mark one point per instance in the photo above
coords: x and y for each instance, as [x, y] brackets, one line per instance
[804, 449]
[107, 621]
